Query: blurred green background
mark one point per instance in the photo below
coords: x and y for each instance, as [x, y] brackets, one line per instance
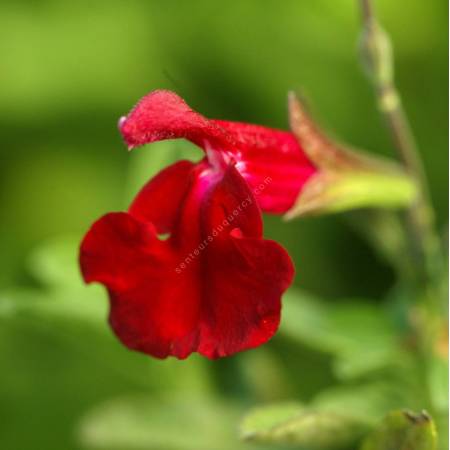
[68, 71]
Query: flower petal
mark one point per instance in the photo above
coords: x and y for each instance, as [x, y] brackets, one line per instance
[159, 200]
[271, 161]
[214, 286]
[164, 115]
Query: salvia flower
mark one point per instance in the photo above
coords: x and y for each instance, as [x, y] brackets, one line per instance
[259, 153]
[213, 286]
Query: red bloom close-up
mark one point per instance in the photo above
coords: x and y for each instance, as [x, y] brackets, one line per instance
[214, 285]
[259, 153]
[281, 282]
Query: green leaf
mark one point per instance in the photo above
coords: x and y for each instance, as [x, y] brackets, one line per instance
[438, 381]
[150, 423]
[438, 385]
[54, 264]
[368, 401]
[261, 420]
[403, 430]
[312, 429]
[358, 333]
[89, 307]
[63, 295]
[441, 420]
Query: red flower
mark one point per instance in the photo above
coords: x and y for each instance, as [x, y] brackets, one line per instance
[214, 285]
[271, 161]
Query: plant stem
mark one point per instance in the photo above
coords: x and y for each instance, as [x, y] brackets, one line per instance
[425, 244]
[377, 53]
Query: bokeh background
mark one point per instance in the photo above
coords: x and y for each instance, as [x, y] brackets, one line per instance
[68, 70]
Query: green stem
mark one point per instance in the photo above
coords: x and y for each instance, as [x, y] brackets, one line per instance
[420, 216]
[378, 58]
